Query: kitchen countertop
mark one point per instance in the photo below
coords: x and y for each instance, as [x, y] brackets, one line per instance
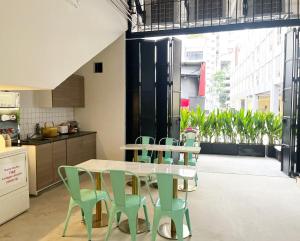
[57, 138]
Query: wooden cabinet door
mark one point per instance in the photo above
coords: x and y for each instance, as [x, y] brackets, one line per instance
[74, 151]
[59, 157]
[70, 93]
[44, 166]
[89, 147]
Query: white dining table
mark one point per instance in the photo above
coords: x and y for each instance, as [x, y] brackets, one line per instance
[140, 169]
[161, 149]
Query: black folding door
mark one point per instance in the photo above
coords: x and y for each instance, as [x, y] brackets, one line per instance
[175, 89]
[162, 87]
[147, 120]
[152, 89]
[290, 121]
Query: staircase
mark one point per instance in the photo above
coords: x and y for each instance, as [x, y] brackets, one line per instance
[44, 42]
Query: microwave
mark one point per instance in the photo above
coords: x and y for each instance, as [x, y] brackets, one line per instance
[9, 99]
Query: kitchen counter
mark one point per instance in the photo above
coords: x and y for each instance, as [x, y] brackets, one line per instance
[54, 139]
[46, 155]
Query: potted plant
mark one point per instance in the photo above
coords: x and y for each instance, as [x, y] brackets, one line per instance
[274, 132]
[224, 128]
[250, 145]
[207, 134]
[184, 121]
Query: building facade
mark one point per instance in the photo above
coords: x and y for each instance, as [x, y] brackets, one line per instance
[216, 50]
[257, 73]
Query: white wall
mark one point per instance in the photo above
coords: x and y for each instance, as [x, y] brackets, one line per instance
[104, 110]
[44, 42]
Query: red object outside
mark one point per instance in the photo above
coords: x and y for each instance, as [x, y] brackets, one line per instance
[202, 81]
[185, 103]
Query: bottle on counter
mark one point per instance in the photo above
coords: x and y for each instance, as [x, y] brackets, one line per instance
[19, 137]
[2, 142]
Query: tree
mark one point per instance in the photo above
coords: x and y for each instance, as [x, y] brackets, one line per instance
[219, 87]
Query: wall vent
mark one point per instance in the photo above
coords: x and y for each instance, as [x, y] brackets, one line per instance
[98, 68]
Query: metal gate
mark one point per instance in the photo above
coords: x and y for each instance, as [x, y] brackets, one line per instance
[291, 100]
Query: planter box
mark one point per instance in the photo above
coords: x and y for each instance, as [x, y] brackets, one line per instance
[270, 151]
[233, 149]
[225, 148]
[279, 156]
[251, 150]
[219, 148]
[206, 148]
[278, 153]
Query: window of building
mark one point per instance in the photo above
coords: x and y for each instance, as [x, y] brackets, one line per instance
[194, 55]
[225, 65]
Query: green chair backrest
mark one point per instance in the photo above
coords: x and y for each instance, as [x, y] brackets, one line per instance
[190, 142]
[73, 182]
[165, 190]
[144, 140]
[170, 142]
[117, 178]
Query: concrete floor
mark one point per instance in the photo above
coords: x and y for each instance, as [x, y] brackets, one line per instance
[238, 199]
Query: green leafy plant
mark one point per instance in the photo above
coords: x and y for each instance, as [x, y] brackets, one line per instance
[219, 124]
[227, 122]
[240, 124]
[259, 125]
[197, 121]
[233, 126]
[208, 126]
[184, 119]
[273, 128]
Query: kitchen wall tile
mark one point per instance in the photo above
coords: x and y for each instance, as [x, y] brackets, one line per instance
[30, 116]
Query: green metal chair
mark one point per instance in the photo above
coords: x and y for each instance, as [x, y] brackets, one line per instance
[146, 155]
[167, 159]
[166, 205]
[191, 160]
[129, 204]
[86, 199]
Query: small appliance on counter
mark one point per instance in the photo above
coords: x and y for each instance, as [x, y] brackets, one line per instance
[73, 126]
[49, 130]
[63, 128]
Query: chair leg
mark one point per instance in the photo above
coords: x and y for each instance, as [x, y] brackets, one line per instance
[188, 221]
[146, 216]
[132, 217]
[178, 220]
[110, 222]
[88, 215]
[71, 205]
[196, 180]
[118, 217]
[106, 206]
[82, 216]
[156, 219]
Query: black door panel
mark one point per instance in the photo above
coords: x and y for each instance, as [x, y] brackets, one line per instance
[290, 121]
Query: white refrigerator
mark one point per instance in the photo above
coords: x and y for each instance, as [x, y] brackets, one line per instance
[14, 191]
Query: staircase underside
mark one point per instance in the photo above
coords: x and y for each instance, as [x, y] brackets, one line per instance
[44, 42]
